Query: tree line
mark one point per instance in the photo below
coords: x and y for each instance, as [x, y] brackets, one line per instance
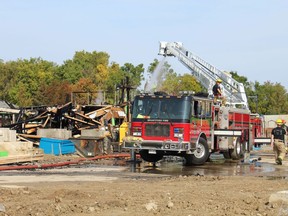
[35, 82]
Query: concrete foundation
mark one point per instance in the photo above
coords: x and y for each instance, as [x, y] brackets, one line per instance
[7, 135]
[97, 133]
[54, 133]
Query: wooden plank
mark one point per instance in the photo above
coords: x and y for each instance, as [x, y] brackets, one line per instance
[31, 125]
[29, 136]
[99, 111]
[78, 120]
[87, 117]
[8, 110]
[84, 128]
[37, 118]
[31, 130]
[27, 140]
[33, 155]
[20, 158]
[44, 113]
[46, 121]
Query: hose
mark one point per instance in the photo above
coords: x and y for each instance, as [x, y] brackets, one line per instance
[60, 164]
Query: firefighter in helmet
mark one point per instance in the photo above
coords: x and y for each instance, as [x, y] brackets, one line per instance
[277, 142]
[218, 93]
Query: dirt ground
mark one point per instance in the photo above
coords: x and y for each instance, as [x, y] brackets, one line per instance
[112, 190]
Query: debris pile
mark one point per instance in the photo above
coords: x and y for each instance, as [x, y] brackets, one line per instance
[93, 128]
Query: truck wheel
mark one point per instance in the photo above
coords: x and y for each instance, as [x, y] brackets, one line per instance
[238, 151]
[151, 157]
[200, 155]
[227, 154]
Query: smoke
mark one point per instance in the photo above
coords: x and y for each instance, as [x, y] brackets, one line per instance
[155, 79]
[100, 98]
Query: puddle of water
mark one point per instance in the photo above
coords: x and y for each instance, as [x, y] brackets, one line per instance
[173, 166]
[218, 166]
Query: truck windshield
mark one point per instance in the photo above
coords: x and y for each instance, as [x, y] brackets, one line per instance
[167, 109]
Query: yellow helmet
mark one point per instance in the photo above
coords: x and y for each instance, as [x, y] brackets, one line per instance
[279, 121]
[219, 80]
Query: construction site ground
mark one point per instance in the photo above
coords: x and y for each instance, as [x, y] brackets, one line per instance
[117, 187]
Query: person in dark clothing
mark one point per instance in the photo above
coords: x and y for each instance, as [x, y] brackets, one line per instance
[278, 142]
[217, 92]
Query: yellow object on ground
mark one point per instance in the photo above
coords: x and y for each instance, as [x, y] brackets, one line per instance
[123, 131]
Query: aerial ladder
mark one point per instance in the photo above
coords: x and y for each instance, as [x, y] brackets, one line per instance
[207, 74]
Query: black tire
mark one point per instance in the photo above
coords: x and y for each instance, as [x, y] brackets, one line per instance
[199, 156]
[227, 154]
[238, 151]
[151, 157]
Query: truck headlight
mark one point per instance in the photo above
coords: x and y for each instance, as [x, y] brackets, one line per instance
[179, 132]
[137, 131]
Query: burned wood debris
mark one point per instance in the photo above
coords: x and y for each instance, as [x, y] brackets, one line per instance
[75, 119]
[93, 128]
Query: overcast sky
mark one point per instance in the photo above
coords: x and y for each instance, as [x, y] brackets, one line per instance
[247, 36]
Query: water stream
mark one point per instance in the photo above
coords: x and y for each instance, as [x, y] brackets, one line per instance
[155, 79]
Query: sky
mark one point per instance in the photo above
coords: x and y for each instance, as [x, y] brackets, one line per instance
[246, 36]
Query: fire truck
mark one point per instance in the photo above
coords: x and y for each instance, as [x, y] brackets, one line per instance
[190, 125]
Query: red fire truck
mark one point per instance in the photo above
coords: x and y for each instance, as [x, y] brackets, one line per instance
[189, 125]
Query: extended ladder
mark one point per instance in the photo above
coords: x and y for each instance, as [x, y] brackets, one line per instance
[205, 73]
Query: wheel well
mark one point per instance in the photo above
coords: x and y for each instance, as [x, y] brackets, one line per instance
[203, 136]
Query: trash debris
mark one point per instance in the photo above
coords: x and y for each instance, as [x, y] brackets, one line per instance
[98, 123]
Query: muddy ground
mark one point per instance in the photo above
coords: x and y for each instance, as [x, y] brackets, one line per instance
[98, 188]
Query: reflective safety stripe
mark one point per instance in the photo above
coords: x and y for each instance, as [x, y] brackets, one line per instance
[228, 132]
[262, 140]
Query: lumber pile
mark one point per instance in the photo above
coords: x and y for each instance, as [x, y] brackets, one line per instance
[75, 119]
[18, 152]
[97, 124]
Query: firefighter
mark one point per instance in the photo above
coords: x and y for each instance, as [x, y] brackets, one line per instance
[277, 142]
[218, 93]
[141, 113]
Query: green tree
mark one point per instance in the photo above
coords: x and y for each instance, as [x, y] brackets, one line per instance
[8, 73]
[84, 64]
[133, 73]
[95, 67]
[29, 76]
[169, 81]
[272, 98]
[85, 91]
[35, 81]
[241, 79]
[58, 92]
[131, 79]
[252, 97]
[115, 77]
[266, 99]
[174, 83]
